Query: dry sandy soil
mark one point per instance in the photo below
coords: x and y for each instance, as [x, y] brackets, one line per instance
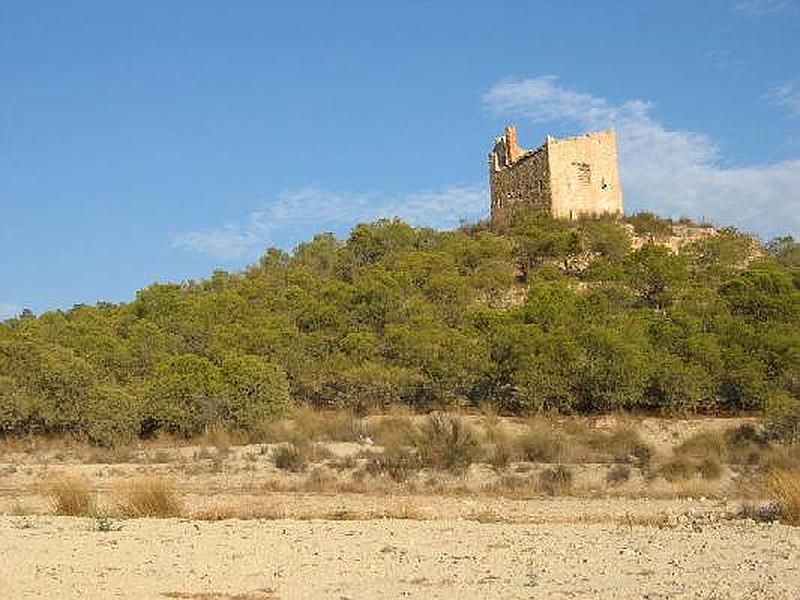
[64, 557]
[325, 532]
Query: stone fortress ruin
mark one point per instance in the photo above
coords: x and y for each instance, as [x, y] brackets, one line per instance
[568, 178]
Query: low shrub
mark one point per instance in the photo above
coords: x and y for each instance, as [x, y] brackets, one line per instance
[71, 496]
[556, 481]
[780, 458]
[746, 444]
[782, 418]
[542, 443]
[761, 513]
[622, 444]
[320, 479]
[291, 457]
[704, 445]
[618, 474]
[512, 485]
[502, 451]
[682, 467]
[710, 468]
[396, 462]
[343, 463]
[447, 442]
[149, 497]
[678, 468]
[393, 430]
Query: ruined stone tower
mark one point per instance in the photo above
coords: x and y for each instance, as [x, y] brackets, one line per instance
[568, 178]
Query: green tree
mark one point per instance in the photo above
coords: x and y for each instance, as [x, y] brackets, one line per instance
[613, 373]
[678, 386]
[183, 395]
[655, 274]
[253, 390]
[53, 382]
[111, 416]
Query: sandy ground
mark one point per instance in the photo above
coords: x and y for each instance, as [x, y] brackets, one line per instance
[63, 557]
[437, 536]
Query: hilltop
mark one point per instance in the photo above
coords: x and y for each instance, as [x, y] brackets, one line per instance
[591, 316]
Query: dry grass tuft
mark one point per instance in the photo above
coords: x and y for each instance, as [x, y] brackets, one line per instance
[784, 487]
[556, 481]
[149, 497]
[20, 509]
[678, 468]
[780, 458]
[622, 444]
[695, 488]
[71, 496]
[221, 512]
[704, 445]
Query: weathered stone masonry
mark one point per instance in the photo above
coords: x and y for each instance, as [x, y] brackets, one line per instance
[567, 178]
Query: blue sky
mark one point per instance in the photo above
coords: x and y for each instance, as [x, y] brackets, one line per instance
[155, 141]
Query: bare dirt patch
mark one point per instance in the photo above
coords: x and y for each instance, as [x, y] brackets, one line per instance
[62, 557]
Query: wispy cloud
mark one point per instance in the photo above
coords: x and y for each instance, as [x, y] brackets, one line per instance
[302, 212]
[787, 96]
[669, 171]
[8, 310]
[760, 7]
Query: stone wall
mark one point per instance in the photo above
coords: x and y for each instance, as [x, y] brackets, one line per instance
[584, 175]
[568, 178]
[526, 183]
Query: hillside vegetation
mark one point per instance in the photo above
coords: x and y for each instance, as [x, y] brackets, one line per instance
[547, 316]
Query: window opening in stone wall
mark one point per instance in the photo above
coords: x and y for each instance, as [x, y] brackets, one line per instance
[584, 172]
[603, 184]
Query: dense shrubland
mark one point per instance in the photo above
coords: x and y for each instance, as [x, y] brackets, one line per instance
[398, 315]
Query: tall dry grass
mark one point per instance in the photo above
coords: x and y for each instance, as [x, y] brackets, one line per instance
[149, 497]
[784, 488]
[71, 496]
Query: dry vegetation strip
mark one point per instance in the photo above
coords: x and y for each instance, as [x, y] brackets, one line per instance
[421, 456]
